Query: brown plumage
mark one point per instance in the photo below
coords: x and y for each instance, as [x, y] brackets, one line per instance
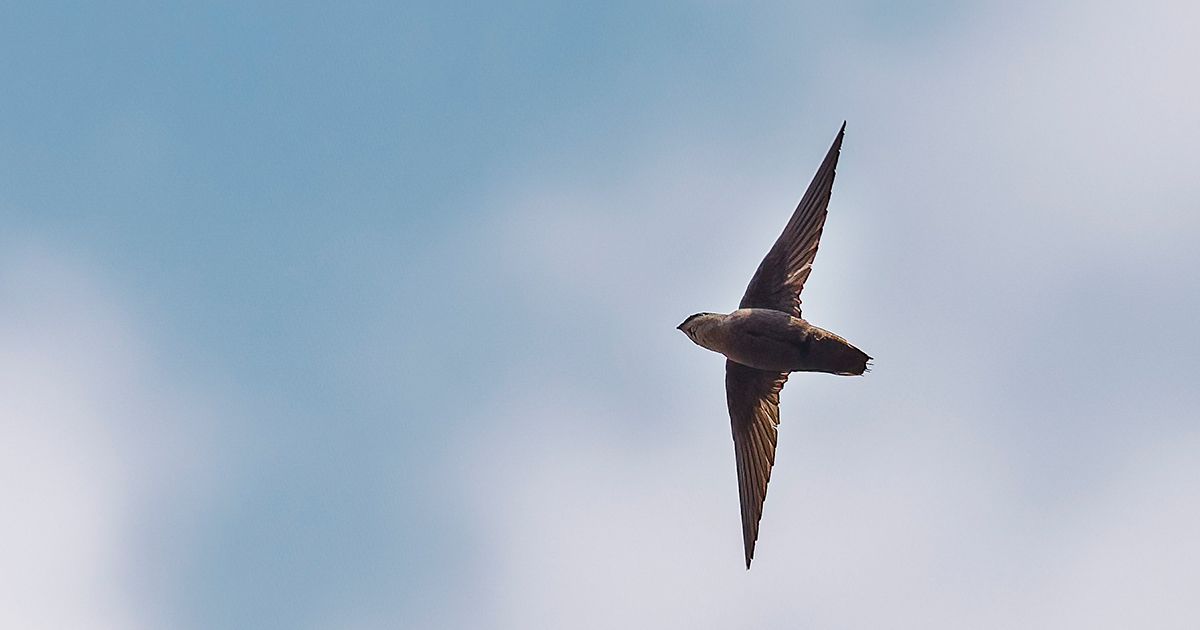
[765, 339]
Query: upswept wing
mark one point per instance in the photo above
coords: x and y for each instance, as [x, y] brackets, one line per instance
[781, 275]
[753, 399]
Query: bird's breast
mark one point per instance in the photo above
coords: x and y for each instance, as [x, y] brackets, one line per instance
[764, 339]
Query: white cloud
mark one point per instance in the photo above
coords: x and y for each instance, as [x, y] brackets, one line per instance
[92, 433]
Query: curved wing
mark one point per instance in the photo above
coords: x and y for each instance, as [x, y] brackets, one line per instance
[781, 275]
[753, 398]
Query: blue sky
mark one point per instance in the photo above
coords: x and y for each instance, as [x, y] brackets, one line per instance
[363, 316]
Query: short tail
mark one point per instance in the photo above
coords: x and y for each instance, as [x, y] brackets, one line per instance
[846, 360]
[857, 362]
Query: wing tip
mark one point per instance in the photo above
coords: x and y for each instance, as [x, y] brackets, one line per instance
[750, 533]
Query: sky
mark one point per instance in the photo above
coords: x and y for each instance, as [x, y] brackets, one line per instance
[359, 316]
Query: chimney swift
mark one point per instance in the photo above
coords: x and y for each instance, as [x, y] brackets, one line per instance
[765, 339]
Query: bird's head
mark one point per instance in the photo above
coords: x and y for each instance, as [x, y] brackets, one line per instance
[692, 324]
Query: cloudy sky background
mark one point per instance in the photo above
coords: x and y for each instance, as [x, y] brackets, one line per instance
[361, 316]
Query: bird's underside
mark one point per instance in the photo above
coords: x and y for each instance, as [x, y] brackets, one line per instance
[773, 341]
[766, 332]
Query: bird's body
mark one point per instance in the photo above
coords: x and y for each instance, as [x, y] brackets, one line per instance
[765, 339]
[773, 341]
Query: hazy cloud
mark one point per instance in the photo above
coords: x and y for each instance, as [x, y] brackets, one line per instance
[100, 453]
[1012, 237]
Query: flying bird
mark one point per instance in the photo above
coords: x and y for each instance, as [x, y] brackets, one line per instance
[765, 339]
